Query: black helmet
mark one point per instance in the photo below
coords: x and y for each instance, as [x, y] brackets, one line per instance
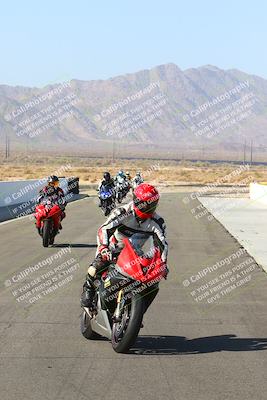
[53, 180]
[107, 176]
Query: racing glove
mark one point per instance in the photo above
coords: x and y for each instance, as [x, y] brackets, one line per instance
[105, 252]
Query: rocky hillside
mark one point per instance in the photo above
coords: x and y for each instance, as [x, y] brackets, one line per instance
[162, 108]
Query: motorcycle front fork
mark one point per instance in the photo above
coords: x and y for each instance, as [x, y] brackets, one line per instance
[120, 304]
[148, 297]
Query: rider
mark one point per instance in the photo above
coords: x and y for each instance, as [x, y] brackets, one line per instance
[137, 216]
[137, 180]
[122, 182]
[120, 177]
[128, 179]
[55, 194]
[128, 176]
[107, 183]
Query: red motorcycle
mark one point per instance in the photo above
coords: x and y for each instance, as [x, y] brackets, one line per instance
[124, 293]
[48, 219]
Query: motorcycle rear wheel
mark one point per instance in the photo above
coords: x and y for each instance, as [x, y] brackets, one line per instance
[124, 333]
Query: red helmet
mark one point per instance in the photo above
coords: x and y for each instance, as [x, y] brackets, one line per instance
[145, 199]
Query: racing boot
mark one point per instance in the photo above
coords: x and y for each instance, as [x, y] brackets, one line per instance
[88, 292]
[89, 288]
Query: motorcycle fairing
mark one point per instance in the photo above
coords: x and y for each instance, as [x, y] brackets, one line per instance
[138, 267]
[100, 323]
[42, 213]
[105, 194]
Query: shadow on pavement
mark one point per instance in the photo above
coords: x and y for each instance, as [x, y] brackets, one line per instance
[171, 345]
[75, 245]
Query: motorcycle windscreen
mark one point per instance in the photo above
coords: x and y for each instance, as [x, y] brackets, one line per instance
[143, 244]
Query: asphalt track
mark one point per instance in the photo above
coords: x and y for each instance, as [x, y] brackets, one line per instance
[186, 350]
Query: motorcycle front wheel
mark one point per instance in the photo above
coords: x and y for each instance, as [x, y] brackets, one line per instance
[46, 232]
[125, 332]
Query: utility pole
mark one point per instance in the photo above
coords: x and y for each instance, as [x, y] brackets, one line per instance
[244, 156]
[113, 151]
[251, 152]
[27, 148]
[7, 147]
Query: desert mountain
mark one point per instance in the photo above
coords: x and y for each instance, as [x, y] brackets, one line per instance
[164, 108]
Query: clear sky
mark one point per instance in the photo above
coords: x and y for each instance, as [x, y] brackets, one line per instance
[51, 41]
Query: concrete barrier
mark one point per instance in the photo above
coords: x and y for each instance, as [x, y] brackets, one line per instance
[258, 192]
[17, 192]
